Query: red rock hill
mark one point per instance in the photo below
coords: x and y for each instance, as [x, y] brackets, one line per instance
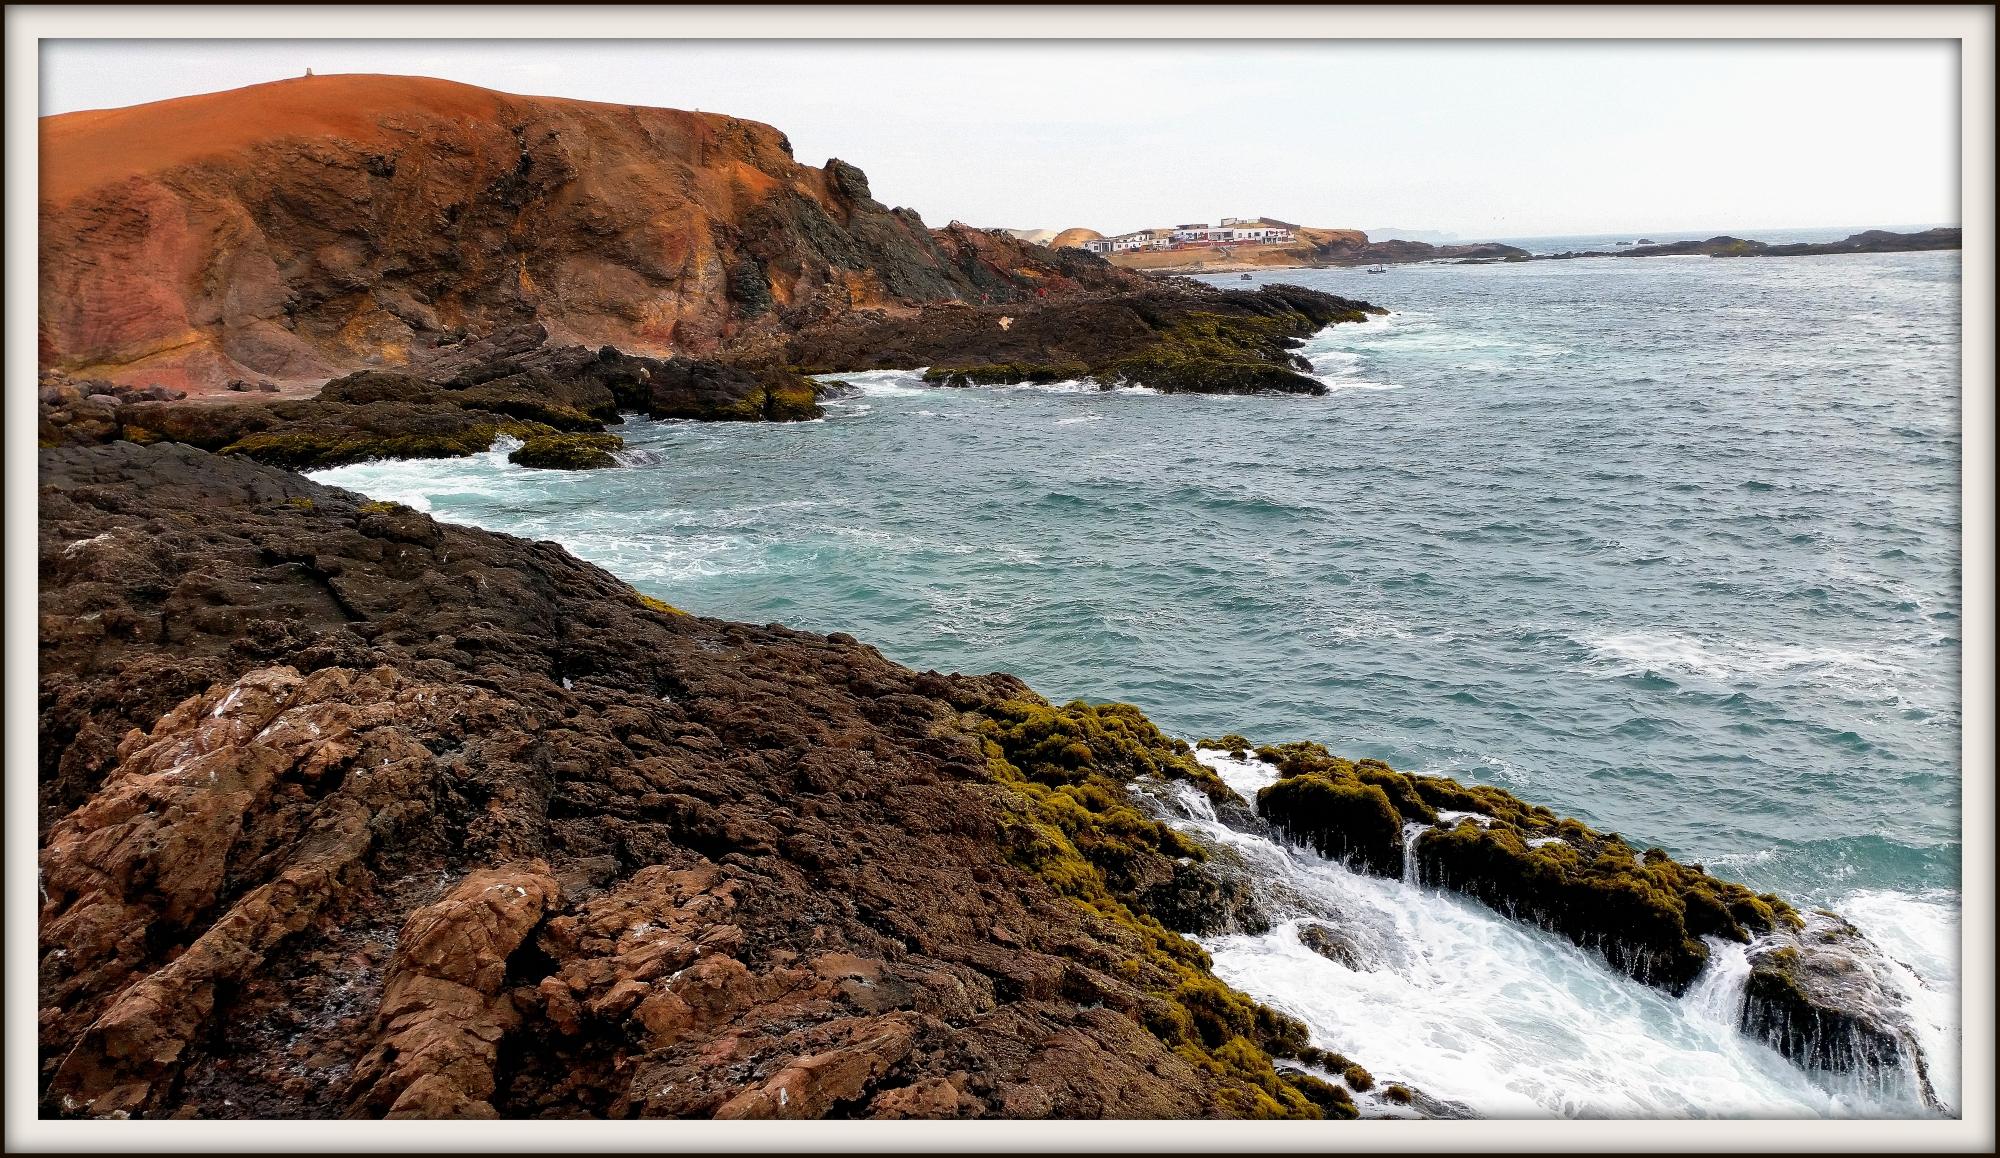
[296, 230]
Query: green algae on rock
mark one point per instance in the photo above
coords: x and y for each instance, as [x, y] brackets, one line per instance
[1073, 825]
[568, 451]
[1175, 337]
[1645, 912]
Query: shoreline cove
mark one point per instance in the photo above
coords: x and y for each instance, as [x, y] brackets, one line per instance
[553, 609]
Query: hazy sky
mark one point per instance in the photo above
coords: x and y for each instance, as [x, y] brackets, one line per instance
[1487, 139]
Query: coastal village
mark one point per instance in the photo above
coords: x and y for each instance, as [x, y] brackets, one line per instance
[1232, 231]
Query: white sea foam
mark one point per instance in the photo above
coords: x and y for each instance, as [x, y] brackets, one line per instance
[413, 482]
[1920, 935]
[1469, 1006]
[1721, 659]
[1718, 994]
[882, 383]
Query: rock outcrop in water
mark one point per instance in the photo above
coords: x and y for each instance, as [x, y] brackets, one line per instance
[346, 812]
[1815, 990]
[1184, 337]
[1820, 994]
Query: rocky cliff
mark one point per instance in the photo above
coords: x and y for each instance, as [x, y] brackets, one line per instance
[298, 230]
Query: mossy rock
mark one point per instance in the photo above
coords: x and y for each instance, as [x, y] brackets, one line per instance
[1646, 913]
[728, 392]
[1215, 353]
[568, 452]
[1333, 1100]
[1809, 1000]
[1070, 822]
[1340, 819]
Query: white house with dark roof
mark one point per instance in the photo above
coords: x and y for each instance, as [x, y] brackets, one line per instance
[1232, 231]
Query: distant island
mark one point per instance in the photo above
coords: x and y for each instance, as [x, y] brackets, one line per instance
[1867, 241]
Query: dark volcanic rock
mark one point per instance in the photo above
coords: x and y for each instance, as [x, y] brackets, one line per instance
[1178, 337]
[515, 385]
[346, 812]
[568, 451]
[1646, 913]
[1821, 995]
[307, 434]
[1329, 943]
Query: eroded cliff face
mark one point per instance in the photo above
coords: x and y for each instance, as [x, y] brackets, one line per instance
[297, 230]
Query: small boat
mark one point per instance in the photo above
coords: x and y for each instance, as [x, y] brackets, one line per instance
[1377, 269]
[1246, 277]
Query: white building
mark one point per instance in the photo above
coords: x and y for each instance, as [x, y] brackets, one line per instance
[1143, 239]
[1234, 231]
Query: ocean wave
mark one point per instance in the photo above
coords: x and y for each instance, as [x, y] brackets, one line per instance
[881, 383]
[1647, 652]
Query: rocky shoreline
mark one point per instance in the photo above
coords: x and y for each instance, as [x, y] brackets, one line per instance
[438, 822]
[560, 400]
[443, 823]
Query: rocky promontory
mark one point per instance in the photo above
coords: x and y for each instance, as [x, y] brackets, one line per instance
[1182, 337]
[350, 267]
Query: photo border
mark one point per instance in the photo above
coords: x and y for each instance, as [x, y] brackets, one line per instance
[1973, 26]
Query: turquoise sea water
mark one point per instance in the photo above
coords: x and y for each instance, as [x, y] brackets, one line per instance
[1669, 545]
